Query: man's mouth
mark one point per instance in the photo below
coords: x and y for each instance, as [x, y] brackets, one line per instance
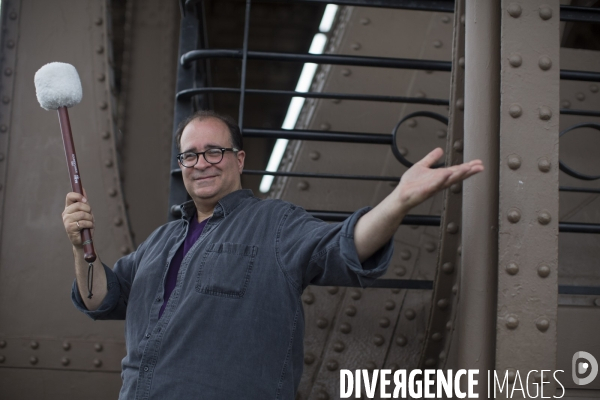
[202, 178]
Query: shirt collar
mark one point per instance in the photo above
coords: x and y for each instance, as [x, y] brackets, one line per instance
[224, 206]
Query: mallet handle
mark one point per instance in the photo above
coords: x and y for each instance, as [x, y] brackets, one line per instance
[65, 127]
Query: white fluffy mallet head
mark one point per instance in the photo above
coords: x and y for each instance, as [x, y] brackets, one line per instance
[57, 85]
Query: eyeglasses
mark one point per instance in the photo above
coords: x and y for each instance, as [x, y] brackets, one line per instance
[212, 156]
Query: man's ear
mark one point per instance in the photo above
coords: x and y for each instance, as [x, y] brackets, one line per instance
[241, 156]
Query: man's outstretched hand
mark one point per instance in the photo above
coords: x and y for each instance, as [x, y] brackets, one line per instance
[418, 183]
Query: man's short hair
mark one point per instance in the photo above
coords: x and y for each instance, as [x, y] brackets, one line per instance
[234, 129]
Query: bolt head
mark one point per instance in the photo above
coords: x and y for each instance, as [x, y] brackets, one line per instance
[514, 215]
[515, 60]
[410, 314]
[65, 361]
[458, 146]
[512, 322]
[338, 347]
[545, 13]
[390, 305]
[514, 162]
[400, 271]
[512, 268]
[350, 311]
[314, 155]
[401, 340]
[543, 271]
[460, 104]
[515, 110]
[356, 294]
[308, 298]
[545, 113]
[545, 63]
[542, 324]
[384, 322]
[322, 323]
[378, 340]
[544, 218]
[345, 328]
[309, 358]
[448, 267]
[514, 10]
[544, 165]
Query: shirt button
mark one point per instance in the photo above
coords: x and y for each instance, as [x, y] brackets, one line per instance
[158, 299]
[147, 335]
[146, 369]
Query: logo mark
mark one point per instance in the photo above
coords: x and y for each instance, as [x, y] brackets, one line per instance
[582, 367]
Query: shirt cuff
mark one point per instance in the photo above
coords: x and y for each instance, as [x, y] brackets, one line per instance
[108, 304]
[374, 266]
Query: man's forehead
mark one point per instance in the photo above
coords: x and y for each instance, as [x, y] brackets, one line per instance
[210, 131]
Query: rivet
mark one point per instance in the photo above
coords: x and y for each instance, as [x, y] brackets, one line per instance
[580, 96]
[545, 113]
[545, 13]
[118, 221]
[400, 271]
[33, 360]
[410, 314]
[308, 298]
[405, 254]
[314, 155]
[401, 340]
[542, 324]
[545, 63]
[420, 94]
[593, 88]
[2, 359]
[394, 367]
[544, 165]
[403, 151]
[443, 304]
[345, 72]
[332, 365]
[459, 250]
[336, 101]
[302, 185]
[441, 133]
[543, 271]
[125, 250]
[112, 192]
[384, 322]
[365, 21]
[10, 43]
[338, 346]
[333, 289]
[430, 247]
[105, 135]
[66, 346]
[512, 322]
[437, 44]
[565, 104]
[449, 326]
[3, 128]
[103, 105]
[460, 104]
[34, 345]
[345, 328]
[378, 340]
[515, 110]
[98, 21]
[395, 291]
[514, 161]
[597, 301]
[98, 347]
[1, 156]
[97, 363]
[350, 311]
[452, 228]
[455, 288]
[445, 19]
[514, 215]
[390, 305]
[325, 126]
[6, 99]
[456, 188]
[2, 344]
[8, 71]
[430, 362]
[322, 323]
[65, 361]
[322, 395]
[101, 77]
[461, 62]
[108, 163]
[436, 337]
[442, 355]
[100, 49]
[512, 268]
[448, 267]
[371, 366]
[544, 218]
[514, 10]
[355, 294]
[462, 19]
[355, 46]
[515, 60]
[411, 123]
[458, 146]
[13, 15]
[511, 374]
[309, 358]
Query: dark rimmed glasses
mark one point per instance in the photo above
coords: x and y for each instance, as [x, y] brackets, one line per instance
[212, 156]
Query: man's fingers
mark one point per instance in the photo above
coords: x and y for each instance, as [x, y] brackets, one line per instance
[73, 197]
[431, 158]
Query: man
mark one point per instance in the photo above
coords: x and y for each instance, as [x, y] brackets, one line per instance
[212, 301]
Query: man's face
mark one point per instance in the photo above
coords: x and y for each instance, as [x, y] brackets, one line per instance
[210, 182]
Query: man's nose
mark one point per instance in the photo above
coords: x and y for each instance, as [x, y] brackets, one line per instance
[202, 164]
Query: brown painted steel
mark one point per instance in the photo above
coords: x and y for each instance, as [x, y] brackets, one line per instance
[476, 319]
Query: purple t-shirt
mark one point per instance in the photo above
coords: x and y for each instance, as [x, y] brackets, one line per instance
[194, 232]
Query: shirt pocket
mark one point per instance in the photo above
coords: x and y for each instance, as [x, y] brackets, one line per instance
[226, 269]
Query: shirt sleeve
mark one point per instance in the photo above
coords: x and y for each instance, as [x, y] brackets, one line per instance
[118, 281]
[311, 251]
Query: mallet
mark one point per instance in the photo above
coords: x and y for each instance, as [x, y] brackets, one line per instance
[57, 87]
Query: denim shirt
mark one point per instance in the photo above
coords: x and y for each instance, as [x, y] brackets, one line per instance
[233, 327]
